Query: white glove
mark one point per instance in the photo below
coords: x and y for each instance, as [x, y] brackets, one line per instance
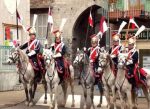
[84, 48]
[129, 62]
[31, 53]
[57, 55]
[112, 56]
[91, 61]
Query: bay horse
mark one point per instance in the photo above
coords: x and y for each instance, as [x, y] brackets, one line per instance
[52, 79]
[26, 74]
[106, 66]
[87, 77]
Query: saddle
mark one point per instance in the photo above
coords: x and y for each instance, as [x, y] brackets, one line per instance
[64, 72]
[139, 75]
[39, 67]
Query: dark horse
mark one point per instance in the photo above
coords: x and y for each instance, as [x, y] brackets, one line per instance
[26, 74]
[87, 77]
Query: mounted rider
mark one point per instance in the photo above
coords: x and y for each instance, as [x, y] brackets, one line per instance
[132, 61]
[93, 53]
[33, 51]
[59, 50]
[115, 49]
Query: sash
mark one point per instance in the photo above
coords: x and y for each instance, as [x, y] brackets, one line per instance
[33, 42]
[115, 49]
[93, 51]
[58, 46]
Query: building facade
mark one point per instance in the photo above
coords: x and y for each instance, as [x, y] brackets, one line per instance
[122, 10]
[8, 33]
[76, 29]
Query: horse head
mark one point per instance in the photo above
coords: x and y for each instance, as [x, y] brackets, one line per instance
[122, 59]
[81, 58]
[104, 60]
[48, 57]
[14, 56]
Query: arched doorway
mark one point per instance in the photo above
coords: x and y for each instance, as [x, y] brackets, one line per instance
[81, 30]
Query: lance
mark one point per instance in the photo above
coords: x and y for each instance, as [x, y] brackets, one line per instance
[17, 21]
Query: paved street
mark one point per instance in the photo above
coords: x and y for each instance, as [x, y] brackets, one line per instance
[17, 101]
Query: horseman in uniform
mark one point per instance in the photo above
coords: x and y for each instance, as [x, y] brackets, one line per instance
[34, 53]
[114, 50]
[93, 53]
[132, 61]
[59, 50]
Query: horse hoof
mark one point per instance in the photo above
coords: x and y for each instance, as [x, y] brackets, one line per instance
[99, 105]
[30, 104]
[51, 106]
[45, 101]
[26, 103]
[72, 105]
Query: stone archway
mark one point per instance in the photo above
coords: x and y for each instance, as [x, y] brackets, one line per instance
[80, 28]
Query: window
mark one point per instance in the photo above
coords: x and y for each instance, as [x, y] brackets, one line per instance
[10, 34]
[41, 25]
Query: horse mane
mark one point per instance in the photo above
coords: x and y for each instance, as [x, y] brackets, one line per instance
[23, 56]
[111, 62]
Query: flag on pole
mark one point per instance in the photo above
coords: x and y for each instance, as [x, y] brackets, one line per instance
[50, 19]
[90, 20]
[20, 20]
[134, 24]
[103, 27]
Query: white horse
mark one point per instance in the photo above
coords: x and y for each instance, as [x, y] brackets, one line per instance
[106, 66]
[53, 79]
[126, 87]
[26, 74]
[122, 84]
[87, 77]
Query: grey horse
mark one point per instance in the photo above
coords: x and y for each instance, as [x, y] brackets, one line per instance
[87, 77]
[52, 79]
[26, 74]
[106, 66]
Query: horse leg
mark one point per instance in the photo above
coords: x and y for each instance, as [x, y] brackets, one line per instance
[146, 93]
[92, 97]
[34, 89]
[113, 88]
[85, 95]
[56, 95]
[72, 92]
[64, 86]
[45, 90]
[121, 99]
[31, 85]
[129, 96]
[107, 95]
[100, 92]
[134, 97]
[26, 92]
[72, 84]
[51, 95]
